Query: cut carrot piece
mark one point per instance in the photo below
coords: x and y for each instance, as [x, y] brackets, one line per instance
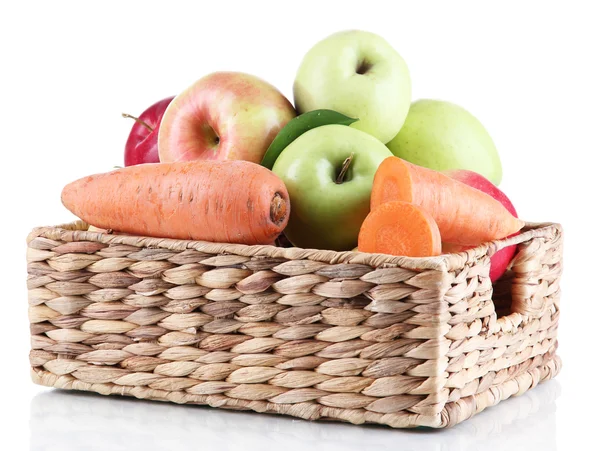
[463, 214]
[400, 228]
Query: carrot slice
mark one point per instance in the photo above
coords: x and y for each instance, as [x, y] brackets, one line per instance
[463, 214]
[400, 228]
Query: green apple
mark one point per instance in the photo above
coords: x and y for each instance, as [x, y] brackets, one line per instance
[328, 172]
[443, 136]
[360, 75]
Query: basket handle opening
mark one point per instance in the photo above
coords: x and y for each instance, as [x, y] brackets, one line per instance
[527, 288]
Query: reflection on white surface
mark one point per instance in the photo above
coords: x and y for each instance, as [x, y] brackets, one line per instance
[63, 420]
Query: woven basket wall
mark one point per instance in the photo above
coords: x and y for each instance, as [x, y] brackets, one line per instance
[355, 337]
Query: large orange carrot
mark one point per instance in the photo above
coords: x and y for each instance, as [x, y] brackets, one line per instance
[226, 201]
[463, 214]
[400, 228]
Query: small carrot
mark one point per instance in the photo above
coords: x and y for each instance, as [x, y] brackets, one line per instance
[463, 214]
[400, 228]
[225, 201]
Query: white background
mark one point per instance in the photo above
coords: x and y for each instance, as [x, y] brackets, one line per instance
[528, 70]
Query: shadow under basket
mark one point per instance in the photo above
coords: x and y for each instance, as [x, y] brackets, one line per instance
[348, 336]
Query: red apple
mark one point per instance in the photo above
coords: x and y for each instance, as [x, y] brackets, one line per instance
[223, 116]
[501, 259]
[142, 143]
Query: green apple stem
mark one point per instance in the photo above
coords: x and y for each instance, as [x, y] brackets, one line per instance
[345, 166]
[363, 67]
[138, 120]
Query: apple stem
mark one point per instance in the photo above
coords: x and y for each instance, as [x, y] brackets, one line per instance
[345, 166]
[138, 120]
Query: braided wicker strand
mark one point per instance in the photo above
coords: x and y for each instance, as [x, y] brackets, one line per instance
[360, 338]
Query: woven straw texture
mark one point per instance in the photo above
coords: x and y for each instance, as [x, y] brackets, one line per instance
[355, 337]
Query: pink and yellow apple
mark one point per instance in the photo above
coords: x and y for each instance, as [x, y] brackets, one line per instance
[223, 116]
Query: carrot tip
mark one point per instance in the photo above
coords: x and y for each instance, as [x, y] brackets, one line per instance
[279, 209]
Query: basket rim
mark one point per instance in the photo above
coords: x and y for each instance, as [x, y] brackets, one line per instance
[77, 231]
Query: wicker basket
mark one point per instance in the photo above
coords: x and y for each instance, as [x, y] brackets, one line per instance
[356, 337]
